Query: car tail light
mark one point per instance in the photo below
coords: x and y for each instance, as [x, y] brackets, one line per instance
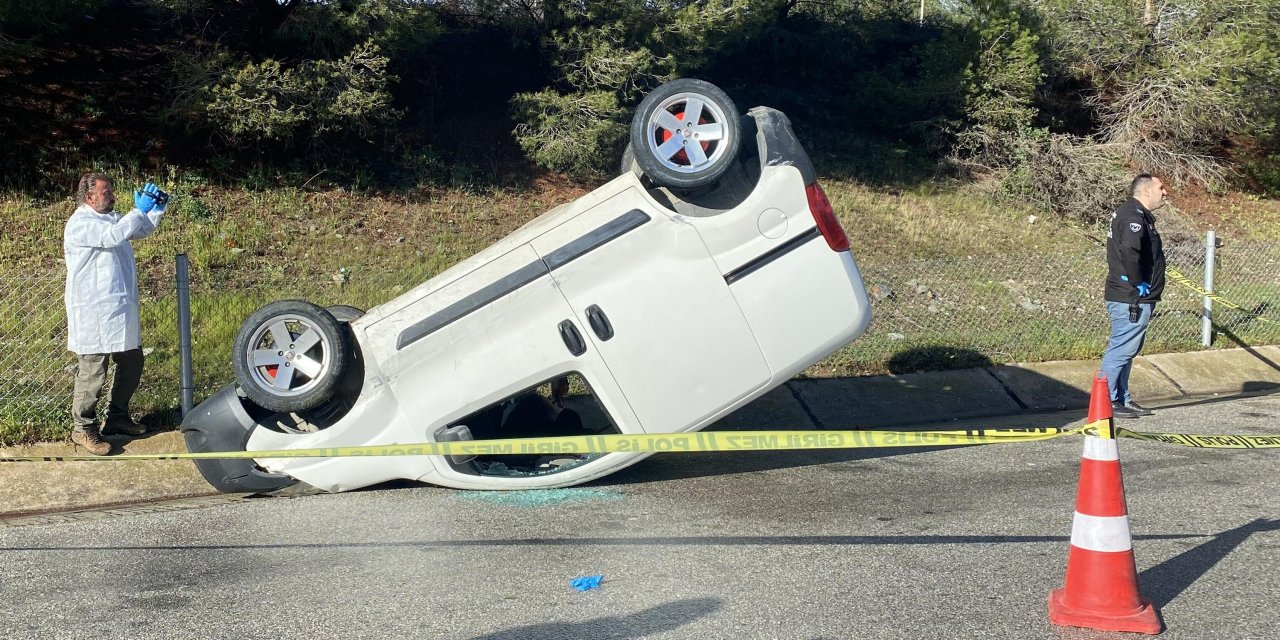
[820, 207]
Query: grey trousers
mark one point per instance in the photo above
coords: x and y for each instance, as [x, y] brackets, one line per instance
[92, 375]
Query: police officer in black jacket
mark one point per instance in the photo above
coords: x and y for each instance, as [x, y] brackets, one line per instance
[1135, 280]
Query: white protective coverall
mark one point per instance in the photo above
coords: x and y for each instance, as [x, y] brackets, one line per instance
[102, 279]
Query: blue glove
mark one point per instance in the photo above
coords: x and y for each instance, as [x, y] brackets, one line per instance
[1143, 287]
[161, 197]
[144, 200]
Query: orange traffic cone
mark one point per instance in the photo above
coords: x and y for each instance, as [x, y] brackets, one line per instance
[1101, 590]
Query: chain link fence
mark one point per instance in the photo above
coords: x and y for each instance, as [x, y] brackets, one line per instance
[928, 314]
[948, 313]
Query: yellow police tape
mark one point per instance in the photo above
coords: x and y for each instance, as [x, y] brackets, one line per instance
[1203, 441]
[1182, 280]
[704, 441]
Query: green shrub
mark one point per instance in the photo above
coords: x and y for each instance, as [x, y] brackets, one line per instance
[1265, 171]
[603, 56]
[269, 101]
[576, 133]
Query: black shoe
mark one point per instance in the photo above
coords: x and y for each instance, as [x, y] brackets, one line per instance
[125, 427]
[1139, 409]
[1121, 411]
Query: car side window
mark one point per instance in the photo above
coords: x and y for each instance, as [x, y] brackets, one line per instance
[562, 406]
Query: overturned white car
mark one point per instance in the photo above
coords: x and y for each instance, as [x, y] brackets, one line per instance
[711, 271]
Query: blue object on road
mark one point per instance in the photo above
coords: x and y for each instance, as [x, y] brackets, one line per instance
[586, 583]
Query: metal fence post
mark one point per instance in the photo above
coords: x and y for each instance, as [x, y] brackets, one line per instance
[1206, 326]
[184, 334]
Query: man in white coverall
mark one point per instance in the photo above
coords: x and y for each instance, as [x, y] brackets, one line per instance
[102, 304]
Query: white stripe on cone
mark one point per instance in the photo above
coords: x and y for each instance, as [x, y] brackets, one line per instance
[1100, 533]
[1096, 448]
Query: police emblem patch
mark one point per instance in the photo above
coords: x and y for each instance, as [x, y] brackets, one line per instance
[1135, 227]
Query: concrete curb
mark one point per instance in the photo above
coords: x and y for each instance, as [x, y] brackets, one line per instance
[27, 487]
[847, 403]
[1227, 371]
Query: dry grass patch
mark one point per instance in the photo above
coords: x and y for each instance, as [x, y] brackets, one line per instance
[936, 223]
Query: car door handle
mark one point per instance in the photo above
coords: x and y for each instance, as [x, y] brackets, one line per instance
[572, 339]
[599, 322]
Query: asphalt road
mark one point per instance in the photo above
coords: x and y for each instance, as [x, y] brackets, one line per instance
[944, 543]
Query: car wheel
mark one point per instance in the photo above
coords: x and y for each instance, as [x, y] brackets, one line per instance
[685, 134]
[290, 355]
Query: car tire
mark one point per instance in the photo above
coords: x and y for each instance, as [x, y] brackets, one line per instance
[311, 371]
[348, 388]
[628, 163]
[685, 154]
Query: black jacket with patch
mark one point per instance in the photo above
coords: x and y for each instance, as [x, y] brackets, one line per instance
[1134, 250]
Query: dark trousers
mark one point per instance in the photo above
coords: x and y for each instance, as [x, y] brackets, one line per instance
[90, 378]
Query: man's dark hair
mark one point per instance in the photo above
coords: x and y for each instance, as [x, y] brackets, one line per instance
[1139, 182]
[86, 184]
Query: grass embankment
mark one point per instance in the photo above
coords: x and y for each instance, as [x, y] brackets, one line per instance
[956, 278]
[245, 248]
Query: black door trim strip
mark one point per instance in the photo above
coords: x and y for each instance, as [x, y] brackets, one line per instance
[575, 249]
[611, 230]
[773, 254]
[456, 311]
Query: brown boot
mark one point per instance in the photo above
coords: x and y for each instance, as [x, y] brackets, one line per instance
[123, 427]
[88, 438]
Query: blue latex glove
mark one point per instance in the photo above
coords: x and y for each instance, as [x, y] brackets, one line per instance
[145, 200]
[161, 197]
[1143, 287]
[586, 583]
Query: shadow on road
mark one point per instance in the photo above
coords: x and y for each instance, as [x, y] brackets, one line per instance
[1252, 389]
[664, 617]
[1163, 582]
[881, 403]
[628, 541]
[684, 466]
[978, 396]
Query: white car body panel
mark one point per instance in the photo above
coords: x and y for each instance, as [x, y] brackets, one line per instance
[670, 310]
[708, 312]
